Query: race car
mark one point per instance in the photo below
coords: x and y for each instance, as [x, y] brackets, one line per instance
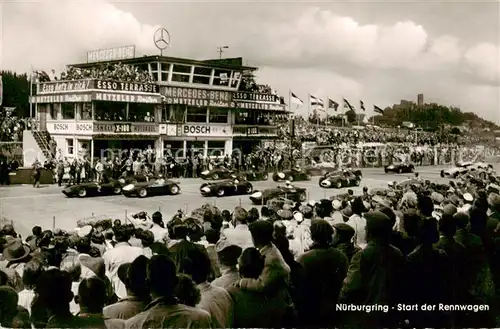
[291, 175]
[216, 174]
[339, 179]
[400, 168]
[111, 187]
[132, 179]
[253, 176]
[226, 187]
[296, 194]
[321, 169]
[158, 186]
[460, 169]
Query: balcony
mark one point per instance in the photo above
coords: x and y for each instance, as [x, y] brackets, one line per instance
[255, 131]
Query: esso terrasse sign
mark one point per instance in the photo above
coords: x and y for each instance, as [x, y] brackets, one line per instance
[55, 87]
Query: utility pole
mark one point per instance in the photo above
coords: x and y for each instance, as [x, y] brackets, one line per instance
[221, 50]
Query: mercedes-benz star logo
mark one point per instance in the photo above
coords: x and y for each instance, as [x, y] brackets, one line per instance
[161, 38]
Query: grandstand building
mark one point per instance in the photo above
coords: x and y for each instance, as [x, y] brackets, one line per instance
[188, 104]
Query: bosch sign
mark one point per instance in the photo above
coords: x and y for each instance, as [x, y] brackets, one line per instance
[197, 130]
[204, 130]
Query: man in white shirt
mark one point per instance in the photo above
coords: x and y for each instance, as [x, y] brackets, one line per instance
[158, 228]
[122, 253]
[239, 235]
[358, 222]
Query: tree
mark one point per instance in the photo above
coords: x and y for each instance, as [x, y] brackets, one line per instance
[351, 116]
[16, 92]
[455, 131]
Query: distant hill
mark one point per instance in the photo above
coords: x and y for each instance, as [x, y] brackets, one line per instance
[431, 117]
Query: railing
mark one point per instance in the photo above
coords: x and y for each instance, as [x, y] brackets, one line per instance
[254, 130]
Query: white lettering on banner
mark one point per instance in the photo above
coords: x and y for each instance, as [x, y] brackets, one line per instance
[197, 97]
[54, 87]
[260, 106]
[126, 98]
[111, 54]
[68, 98]
[126, 86]
[255, 97]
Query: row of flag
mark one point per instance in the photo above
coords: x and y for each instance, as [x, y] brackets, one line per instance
[316, 101]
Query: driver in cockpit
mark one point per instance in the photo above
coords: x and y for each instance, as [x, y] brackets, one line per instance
[288, 185]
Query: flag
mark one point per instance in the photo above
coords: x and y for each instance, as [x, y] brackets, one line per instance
[378, 110]
[362, 106]
[333, 105]
[348, 105]
[313, 100]
[295, 100]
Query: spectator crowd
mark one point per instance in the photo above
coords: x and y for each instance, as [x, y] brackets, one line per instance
[351, 261]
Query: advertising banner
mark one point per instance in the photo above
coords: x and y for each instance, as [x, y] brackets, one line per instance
[260, 106]
[69, 128]
[126, 128]
[126, 86]
[205, 130]
[255, 97]
[57, 87]
[127, 98]
[197, 97]
[65, 98]
[111, 54]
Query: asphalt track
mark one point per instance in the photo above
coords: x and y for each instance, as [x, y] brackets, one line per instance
[46, 206]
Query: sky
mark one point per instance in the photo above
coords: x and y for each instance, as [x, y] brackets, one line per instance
[377, 51]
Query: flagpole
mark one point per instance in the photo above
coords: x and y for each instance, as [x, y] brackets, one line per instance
[308, 106]
[289, 100]
[343, 108]
[31, 91]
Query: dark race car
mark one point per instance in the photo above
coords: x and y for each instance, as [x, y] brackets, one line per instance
[321, 169]
[291, 175]
[339, 179]
[93, 189]
[400, 168]
[226, 187]
[253, 176]
[296, 194]
[132, 179]
[159, 186]
[216, 174]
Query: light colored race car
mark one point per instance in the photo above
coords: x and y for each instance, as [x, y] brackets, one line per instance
[463, 168]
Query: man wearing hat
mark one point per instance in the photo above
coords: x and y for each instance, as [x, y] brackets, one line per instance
[228, 255]
[371, 268]
[342, 240]
[15, 256]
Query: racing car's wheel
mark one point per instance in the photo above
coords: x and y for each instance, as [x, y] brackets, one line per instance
[386, 171]
[302, 196]
[117, 190]
[215, 176]
[143, 193]
[249, 189]
[174, 189]
[338, 184]
[400, 170]
[265, 176]
[221, 192]
[357, 182]
[82, 193]
[442, 173]
[290, 178]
